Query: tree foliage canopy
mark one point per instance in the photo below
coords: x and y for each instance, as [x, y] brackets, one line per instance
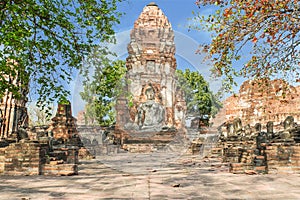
[50, 38]
[199, 99]
[102, 90]
[270, 28]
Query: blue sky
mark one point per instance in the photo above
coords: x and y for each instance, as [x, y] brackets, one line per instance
[177, 11]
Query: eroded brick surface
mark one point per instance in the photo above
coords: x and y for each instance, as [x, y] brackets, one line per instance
[263, 101]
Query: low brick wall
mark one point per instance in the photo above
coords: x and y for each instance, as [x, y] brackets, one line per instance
[24, 158]
[55, 169]
[33, 158]
[277, 158]
[283, 158]
[234, 151]
[139, 148]
[242, 168]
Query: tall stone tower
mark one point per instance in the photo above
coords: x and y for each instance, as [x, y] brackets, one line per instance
[156, 102]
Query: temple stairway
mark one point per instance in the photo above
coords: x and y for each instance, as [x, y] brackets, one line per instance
[145, 142]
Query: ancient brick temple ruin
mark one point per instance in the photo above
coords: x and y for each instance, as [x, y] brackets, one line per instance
[44, 150]
[157, 106]
[262, 134]
[13, 112]
[264, 100]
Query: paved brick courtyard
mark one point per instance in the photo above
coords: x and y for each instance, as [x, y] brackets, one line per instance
[158, 175]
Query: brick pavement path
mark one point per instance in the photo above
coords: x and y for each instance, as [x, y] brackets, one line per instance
[151, 176]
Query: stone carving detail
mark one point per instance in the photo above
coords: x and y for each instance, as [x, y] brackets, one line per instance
[237, 125]
[230, 130]
[257, 128]
[150, 114]
[288, 123]
[233, 131]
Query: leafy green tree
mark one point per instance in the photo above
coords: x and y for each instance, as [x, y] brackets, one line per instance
[48, 39]
[199, 99]
[101, 92]
[269, 28]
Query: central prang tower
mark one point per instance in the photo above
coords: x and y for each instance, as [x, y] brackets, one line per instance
[156, 102]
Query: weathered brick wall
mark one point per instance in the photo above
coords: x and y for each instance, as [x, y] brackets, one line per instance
[239, 154]
[63, 126]
[24, 158]
[238, 151]
[277, 158]
[263, 152]
[263, 101]
[32, 158]
[63, 162]
[283, 158]
[55, 169]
